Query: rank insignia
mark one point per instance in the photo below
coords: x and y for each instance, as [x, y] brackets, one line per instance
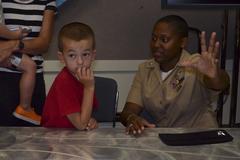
[176, 82]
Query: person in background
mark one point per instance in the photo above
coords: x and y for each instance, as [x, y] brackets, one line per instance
[39, 16]
[71, 98]
[24, 63]
[6, 48]
[175, 87]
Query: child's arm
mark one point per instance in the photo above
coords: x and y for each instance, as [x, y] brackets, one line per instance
[40, 44]
[82, 120]
[6, 49]
[8, 34]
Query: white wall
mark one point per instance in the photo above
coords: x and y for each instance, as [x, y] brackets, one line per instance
[123, 72]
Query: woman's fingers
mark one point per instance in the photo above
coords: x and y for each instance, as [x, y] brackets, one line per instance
[136, 126]
[134, 129]
[212, 43]
[215, 53]
[203, 42]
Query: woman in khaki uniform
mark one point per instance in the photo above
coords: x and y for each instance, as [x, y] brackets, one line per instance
[175, 87]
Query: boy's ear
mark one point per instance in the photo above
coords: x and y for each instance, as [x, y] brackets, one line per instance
[184, 42]
[60, 56]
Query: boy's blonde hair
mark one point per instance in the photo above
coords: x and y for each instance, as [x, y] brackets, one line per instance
[75, 31]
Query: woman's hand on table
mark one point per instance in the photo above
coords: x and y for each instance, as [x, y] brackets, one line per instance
[136, 125]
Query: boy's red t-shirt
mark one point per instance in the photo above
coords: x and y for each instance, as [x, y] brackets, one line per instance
[64, 97]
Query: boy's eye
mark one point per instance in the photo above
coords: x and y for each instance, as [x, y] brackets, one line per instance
[86, 54]
[72, 55]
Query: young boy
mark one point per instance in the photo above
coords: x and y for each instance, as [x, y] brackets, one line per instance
[175, 87]
[22, 62]
[71, 98]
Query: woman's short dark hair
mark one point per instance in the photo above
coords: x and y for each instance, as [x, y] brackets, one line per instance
[179, 24]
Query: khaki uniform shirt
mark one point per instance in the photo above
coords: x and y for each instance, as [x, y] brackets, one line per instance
[181, 100]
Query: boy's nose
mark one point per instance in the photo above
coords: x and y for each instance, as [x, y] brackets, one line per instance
[79, 60]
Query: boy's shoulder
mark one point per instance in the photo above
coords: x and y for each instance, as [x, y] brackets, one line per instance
[63, 76]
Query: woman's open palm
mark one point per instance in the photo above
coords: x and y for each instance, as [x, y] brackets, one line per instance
[207, 62]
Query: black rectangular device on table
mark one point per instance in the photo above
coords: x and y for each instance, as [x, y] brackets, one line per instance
[195, 138]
